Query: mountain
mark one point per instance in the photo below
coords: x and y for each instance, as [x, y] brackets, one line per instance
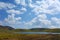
[10, 29]
[38, 28]
[45, 30]
[6, 27]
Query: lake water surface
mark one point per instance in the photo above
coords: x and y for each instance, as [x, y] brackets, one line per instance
[36, 33]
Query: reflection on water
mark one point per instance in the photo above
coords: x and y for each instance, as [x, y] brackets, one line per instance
[36, 33]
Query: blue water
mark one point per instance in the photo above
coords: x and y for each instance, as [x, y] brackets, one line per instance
[36, 33]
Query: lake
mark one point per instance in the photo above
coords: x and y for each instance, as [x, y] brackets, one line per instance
[36, 33]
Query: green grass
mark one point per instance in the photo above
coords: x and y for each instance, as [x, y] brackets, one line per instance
[6, 34]
[12, 36]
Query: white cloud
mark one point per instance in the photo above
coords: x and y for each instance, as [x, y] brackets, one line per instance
[53, 27]
[17, 1]
[55, 20]
[22, 2]
[19, 18]
[6, 5]
[46, 6]
[31, 22]
[46, 22]
[40, 21]
[23, 9]
[42, 16]
[39, 24]
[12, 19]
[1, 23]
[41, 8]
[30, 4]
[12, 11]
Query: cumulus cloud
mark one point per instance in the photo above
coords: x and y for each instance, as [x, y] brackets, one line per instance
[12, 19]
[4, 5]
[23, 9]
[40, 21]
[40, 8]
[42, 16]
[1, 23]
[19, 18]
[20, 2]
[17, 1]
[12, 11]
[53, 27]
[46, 6]
[56, 20]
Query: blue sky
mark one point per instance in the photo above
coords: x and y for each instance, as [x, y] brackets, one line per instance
[28, 14]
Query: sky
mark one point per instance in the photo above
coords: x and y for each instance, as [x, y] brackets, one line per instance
[26, 14]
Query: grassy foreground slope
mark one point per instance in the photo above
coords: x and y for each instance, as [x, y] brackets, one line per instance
[11, 36]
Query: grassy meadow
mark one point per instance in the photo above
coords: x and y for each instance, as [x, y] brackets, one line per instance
[13, 36]
[8, 33]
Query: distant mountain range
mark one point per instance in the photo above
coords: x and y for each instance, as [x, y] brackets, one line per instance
[6, 27]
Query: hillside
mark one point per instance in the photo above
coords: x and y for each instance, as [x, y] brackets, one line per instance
[37, 30]
[6, 27]
[45, 30]
[10, 29]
